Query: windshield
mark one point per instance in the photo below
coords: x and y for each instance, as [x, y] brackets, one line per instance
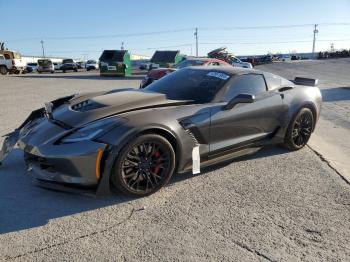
[44, 62]
[16, 55]
[201, 86]
[66, 61]
[91, 62]
[187, 63]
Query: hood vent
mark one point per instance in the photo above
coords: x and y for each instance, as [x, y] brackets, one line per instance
[87, 105]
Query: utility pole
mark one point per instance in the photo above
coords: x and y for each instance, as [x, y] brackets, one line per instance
[122, 47]
[196, 35]
[314, 41]
[42, 47]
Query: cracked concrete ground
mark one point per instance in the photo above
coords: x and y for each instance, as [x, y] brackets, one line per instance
[275, 205]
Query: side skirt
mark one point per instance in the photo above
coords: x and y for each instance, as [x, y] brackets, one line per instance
[225, 157]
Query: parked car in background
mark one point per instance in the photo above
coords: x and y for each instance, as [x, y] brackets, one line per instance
[91, 65]
[57, 66]
[266, 59]
[145, 66]
[158, 73]
[295, 57]
[32, 67]
[80, 65]
[251, 60]
[11, 62]
[69, 65]
[285, 58]
[45, 65]
[238, 63]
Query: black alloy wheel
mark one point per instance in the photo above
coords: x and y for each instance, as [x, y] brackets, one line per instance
[300, 129]
[144, 166]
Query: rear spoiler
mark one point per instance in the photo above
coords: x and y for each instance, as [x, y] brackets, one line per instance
[305, 81]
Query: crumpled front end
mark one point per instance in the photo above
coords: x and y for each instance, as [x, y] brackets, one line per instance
[50, 160]
[47, 159]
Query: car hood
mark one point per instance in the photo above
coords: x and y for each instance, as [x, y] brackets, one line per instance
[84, 109]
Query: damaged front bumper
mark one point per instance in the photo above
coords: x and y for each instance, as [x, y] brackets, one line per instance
[73, 164]
[71, 167]
[12, 138]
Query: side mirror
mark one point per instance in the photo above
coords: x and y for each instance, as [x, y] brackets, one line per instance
[239, 99]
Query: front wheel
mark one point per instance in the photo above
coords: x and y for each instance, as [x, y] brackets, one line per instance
[144, 166]
[299, 130]
[3, 70]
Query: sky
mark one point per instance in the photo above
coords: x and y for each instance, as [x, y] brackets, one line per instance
[82, 28]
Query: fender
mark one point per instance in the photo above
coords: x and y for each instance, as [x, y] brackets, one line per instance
[103, 187]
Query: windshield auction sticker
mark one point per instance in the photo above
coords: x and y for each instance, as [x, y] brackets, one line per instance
[222, 76]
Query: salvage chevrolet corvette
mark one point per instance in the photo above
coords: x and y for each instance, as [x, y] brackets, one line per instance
[135, 140]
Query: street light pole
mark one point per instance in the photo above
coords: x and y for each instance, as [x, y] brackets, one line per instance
[314, 41]
[42, 47]
[196, 35]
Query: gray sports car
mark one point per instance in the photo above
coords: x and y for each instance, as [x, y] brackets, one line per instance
[135, 140]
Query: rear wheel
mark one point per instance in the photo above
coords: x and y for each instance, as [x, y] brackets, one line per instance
[3, 70]
[145, 165]
[300, 129]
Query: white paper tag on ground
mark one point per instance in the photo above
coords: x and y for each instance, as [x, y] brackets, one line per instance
[196, 161]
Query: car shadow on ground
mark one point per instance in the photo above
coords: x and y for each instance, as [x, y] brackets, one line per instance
[24, 205]
[335, 94]
[77, 76]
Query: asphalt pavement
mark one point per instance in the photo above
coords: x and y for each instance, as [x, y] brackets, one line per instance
[275, 205]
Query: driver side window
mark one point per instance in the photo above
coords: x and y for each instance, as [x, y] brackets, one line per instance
[252, 84]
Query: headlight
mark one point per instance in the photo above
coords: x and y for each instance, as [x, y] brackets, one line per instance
[92, 131]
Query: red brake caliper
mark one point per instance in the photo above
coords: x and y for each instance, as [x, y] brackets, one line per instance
[157, 167]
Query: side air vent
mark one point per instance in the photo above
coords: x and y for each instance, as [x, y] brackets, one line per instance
[87, 105]
[187, 125]
[192, 136]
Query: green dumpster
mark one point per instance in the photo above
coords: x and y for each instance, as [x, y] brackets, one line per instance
[166, 58]
[115, 63]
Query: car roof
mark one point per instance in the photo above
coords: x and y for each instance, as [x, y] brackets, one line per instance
[202, 59]
[229, 70]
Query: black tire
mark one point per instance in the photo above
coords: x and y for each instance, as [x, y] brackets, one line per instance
[144, 166]
[75, 70]
[63, 71]
[39, 72]
[299, 129]
[52, 72]
[3, 70]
